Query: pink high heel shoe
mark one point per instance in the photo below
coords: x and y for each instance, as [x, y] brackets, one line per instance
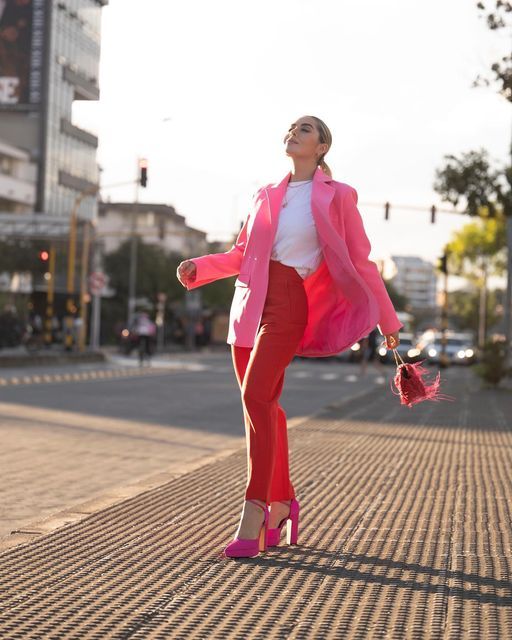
[292, 526]
[249, 547]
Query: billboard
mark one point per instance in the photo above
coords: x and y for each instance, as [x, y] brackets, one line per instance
[21, 53]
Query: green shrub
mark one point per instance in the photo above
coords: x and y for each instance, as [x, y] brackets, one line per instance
[492, 368]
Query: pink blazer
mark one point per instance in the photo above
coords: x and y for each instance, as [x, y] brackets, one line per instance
[346, 294]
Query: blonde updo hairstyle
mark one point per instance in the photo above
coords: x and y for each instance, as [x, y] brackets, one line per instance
[324, 137]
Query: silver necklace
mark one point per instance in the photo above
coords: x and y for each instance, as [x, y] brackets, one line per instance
[296, 188]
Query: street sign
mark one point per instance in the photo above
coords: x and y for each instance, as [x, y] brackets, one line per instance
[97, 282]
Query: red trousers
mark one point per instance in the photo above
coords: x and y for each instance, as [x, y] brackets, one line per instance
[260, 373]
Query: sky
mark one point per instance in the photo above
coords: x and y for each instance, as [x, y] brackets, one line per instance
[206, 90]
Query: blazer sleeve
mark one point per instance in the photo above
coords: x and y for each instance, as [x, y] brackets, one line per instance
[214, 266]
[359, 248]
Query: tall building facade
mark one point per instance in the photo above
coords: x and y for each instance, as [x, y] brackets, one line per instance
[414, 278]
[49, 57]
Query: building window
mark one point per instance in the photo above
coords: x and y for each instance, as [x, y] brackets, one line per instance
[6, 165]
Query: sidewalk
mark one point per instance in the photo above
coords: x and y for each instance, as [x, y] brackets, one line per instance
[57, 355]
[405, 532]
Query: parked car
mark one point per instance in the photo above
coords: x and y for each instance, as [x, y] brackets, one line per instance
[459, 350]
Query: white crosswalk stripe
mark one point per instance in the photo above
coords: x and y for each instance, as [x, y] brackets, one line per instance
[329, 376]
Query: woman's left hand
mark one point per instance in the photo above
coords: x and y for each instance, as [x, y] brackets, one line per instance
[392, 340]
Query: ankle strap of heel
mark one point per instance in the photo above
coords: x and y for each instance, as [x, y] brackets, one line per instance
[259, 505]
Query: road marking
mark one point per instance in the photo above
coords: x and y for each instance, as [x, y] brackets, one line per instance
[330, 376]
[83, 376]
[157, 368]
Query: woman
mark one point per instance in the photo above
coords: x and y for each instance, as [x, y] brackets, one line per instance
[305, 287]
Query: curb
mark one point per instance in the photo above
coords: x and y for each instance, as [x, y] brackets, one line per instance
[100, 374]
[38, 359]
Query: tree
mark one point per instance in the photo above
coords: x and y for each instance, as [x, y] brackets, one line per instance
[156, 273]
[485, 190]
[477, 251]
[500, 18]
[478, 245]
[465, 306]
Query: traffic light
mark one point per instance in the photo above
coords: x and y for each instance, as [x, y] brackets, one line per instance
[143, 166]
[442, 263]
[387, 207]
[44, 255]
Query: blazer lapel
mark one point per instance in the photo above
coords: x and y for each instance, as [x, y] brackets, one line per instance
[321, 198]
[275, 198]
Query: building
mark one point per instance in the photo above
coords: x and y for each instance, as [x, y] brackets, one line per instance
[414, 278]
[51, 61]
[18, 180]
[156, 224]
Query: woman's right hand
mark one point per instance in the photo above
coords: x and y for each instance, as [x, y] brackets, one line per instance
[186, 272]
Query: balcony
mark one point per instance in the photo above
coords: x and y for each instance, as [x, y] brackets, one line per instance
[74, 182]
[79, 134]
[85, 89]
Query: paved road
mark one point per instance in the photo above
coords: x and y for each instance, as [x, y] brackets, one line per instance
[405, 534]
[69, 434]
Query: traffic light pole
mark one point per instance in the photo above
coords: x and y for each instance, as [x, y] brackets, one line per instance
[50, 296]
[94, 338]
[443, 358]
[508, 295]
[69, 318]
[132, 283]
[142, 179]
[83, 287]
[443, 267]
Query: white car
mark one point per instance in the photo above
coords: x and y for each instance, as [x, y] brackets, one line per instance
[458, 350]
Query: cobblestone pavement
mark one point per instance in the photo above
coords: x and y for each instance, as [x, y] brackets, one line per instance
[405, 532]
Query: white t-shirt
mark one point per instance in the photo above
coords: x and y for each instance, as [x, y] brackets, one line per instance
[296, 240]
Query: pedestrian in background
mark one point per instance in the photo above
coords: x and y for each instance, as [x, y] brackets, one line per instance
[305, 287]
[145, 330]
